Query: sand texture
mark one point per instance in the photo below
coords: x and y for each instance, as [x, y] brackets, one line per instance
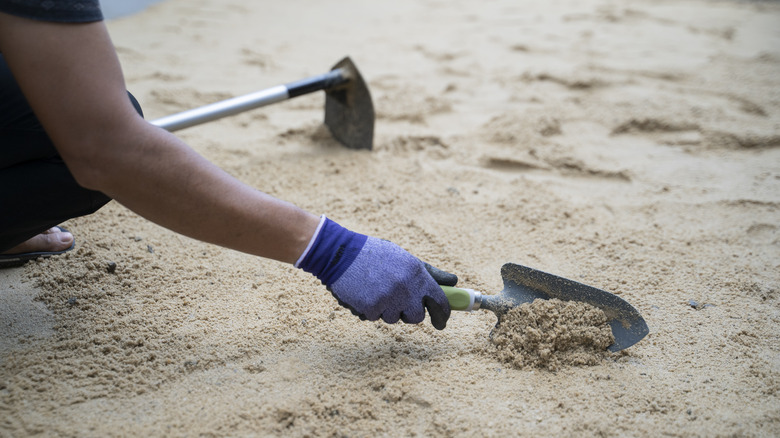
[552, 333]
[632, 146]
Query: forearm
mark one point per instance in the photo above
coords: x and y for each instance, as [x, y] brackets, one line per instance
[72, 79]
[165, 181]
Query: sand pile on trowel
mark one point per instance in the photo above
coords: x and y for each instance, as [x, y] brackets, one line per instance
[552, 333]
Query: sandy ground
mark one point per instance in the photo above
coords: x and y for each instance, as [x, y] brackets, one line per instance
[632, 146]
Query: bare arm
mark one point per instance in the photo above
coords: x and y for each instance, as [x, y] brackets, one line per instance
[72, 79]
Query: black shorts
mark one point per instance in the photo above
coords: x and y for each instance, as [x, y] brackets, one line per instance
[37, 191]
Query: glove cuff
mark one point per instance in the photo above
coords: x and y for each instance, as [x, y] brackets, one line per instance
[331, 251]
[311, 242]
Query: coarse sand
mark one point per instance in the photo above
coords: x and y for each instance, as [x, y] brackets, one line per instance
[552, 333]
[632, 146]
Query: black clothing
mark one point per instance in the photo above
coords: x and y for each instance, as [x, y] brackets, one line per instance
[37, 191]
[64, 11]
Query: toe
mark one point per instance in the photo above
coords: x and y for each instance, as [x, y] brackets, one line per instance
[58, 241]
[51, 240]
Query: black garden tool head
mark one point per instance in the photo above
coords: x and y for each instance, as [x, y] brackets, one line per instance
[523, 285]
[349, 111]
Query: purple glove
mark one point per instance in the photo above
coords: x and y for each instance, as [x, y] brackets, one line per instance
[374, 278]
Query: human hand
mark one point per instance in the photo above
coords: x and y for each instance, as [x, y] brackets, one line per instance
[376, 278]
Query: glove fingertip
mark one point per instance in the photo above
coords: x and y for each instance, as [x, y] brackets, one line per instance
[439, 323]
[443, 278]
[392, 319]
[411, 316]
[439, 315]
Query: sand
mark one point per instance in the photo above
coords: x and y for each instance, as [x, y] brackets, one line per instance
[551, 334]
[631, 146]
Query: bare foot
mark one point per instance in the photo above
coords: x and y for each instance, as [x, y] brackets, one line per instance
[51, 240]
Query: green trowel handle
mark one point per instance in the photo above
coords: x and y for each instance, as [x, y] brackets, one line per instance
[460, 299]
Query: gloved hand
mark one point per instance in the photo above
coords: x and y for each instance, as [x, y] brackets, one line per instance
[375, 278]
